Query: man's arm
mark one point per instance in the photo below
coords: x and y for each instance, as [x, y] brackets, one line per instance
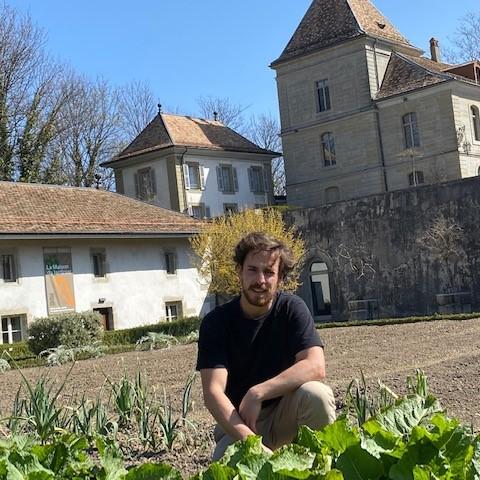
[214, 381]
[309, 365]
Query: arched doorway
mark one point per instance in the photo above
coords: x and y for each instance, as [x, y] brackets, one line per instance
[320, 289]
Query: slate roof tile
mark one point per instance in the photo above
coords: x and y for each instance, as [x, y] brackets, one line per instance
[328, 22]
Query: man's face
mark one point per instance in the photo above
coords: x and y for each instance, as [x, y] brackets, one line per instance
[259, 277]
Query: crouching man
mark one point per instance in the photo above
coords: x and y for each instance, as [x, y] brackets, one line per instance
[260, 358]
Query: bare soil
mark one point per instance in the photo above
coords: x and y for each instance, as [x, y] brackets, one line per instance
[448, 351]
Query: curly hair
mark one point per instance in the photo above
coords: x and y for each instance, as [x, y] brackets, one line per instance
[262, 242]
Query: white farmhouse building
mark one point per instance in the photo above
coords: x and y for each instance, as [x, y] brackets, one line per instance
[195, 166]
[76, 249]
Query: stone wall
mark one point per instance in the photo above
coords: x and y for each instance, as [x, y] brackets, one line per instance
[408, 252]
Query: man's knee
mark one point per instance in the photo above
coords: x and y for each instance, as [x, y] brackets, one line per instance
[317, 404]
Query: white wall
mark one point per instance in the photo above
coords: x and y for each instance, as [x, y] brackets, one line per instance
[136, 286]
[215, 199]
[159, 165]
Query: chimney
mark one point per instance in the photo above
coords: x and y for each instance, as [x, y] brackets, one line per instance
[434, 50]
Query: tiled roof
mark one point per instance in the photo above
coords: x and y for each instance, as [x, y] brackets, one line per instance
[328, 22]
[167, 130]
[405, 73]
[50, 209]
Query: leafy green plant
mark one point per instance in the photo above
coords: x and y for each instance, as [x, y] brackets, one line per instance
[124, 399]
[40, 406]
[418, 385]
[58, 355]
[168, 424]
[154, 340]
[4, 365]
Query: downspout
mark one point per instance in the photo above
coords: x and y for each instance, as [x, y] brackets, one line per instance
[184, 190]
[377, 117]
[380, 145]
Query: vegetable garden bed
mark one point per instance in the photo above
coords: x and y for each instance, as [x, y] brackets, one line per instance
[449, 353]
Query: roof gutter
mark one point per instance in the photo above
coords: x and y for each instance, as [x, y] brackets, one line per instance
[119, 235]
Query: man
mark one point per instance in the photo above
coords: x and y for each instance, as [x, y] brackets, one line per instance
[260, 358]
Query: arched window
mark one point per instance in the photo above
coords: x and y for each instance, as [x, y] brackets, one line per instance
[410, 130]
[332, 194]
[476, 122]
[416, 178]
[320, 286]
[328, 149]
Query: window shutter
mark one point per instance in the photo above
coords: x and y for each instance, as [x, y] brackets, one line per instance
[219, 179]
[186, 176]
[153, 182]
[207, 212]
[250, 179]
[235, 179]
[266, 183]
[202, 177]
[137, 188]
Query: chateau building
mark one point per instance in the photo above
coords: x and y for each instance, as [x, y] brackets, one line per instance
[195, 166]
[363, 111]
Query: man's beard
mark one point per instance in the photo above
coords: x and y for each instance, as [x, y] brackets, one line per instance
[256, 299]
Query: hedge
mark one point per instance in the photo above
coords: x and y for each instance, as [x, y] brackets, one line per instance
[17, 351]
[398, 320]
[130, 336]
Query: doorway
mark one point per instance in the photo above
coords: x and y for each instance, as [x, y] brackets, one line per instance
[107, 317]
[320, 288]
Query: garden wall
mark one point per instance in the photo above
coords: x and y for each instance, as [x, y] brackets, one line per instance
[409, 252]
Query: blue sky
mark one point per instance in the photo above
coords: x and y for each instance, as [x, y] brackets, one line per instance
[189, 48]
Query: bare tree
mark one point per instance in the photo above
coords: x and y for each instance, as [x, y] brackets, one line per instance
[264, 131]
[91, 134]
[31, 97]
[466, 40]
[443, 240]
[230, 114]
[137, 107]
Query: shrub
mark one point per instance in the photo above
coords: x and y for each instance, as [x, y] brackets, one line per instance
[71, 330]
[17, 351]
[130, 336]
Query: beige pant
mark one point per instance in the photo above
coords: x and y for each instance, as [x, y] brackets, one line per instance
[312, 404]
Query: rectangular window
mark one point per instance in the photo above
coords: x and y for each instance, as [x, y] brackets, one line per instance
[230, 208]
[410, 130]
[416, 178]
[9, 269]
[171, 263]
[227, 179]
[12, 328]
[194, 176]
[323, 96]
[200, 211]
[173, 311]
[145, 186]
[99, 262]
[328, 149]
[256, 180]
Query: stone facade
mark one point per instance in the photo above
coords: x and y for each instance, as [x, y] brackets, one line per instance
[365, 121]
[381, 263]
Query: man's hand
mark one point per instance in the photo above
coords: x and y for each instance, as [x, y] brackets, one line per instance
[249, 409]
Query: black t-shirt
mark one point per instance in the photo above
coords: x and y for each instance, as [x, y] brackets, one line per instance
[253, 351]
